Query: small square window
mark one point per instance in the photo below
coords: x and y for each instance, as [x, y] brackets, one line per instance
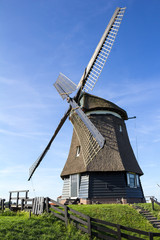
[78, 151]
[120, 128]
[133, 180]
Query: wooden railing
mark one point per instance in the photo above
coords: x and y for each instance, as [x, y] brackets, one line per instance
[27, 204]
[17, 198]
[95, 227]
[154, 200]
[92, 226]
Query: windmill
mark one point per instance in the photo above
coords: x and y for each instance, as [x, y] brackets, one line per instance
[87, 169]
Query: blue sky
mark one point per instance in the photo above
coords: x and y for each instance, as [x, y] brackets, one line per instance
[39, 39]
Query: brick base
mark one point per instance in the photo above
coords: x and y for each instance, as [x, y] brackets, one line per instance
[108, 200]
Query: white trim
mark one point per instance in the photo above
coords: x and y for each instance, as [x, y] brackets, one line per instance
[103, 112]
[78, 181]
[78, 149]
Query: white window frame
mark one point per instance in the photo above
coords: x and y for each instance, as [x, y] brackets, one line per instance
[78, 181]
[120, 128]
[78, 149]
[136, 180]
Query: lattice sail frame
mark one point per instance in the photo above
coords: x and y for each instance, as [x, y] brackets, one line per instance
[104, 52]
[64, 86]
[89, 145]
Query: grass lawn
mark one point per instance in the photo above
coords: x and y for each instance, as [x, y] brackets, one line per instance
[18, 226]
[120, 214]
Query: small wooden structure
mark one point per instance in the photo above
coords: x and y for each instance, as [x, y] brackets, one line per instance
[17, 204]
[38, 205]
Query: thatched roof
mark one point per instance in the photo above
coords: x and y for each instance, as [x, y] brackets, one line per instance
[90, 102]
[117, 153]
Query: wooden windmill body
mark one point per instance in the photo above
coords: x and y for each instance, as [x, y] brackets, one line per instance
[101, 165]
[114, 174]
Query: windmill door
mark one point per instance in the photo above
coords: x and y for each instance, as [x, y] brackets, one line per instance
[74, 185]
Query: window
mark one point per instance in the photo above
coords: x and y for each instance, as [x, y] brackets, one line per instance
[120, 128]
[74, 185]
[78, 151]
[133, 180]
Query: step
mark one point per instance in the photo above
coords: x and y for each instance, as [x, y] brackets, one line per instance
[147, 215]
[155, 221]
[151, 218]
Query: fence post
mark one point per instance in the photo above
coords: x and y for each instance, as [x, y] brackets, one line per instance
[29, 213]
[118, 232]
[150, 236]
[66, 215]
[10, 196]
[152, 201]
[22, 204]
[3, 204]
[89, 226]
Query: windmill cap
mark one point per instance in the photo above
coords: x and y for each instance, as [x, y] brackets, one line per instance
[90, 102]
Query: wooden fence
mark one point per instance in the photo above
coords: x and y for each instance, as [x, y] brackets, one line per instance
[15, 196]
[92, 226]
[154, 200]
[96, 227]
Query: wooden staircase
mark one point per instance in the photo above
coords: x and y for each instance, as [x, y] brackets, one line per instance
[145, 213]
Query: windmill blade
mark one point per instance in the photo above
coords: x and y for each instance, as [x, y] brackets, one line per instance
[88, 143]
[38, 161]
[64, 86]
[99, 58]
[88, 124]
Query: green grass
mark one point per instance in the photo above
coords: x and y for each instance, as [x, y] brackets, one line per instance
[119, 214]
[16, 226]
[19, 226]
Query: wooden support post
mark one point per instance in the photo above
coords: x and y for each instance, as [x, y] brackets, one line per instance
[66, 215]
[47, 204]
[3, 204]
[17, 199]
[22, 204]
[118, 232]
[10, 196]
[150, 236]
[89, 226]
[29, 213]
[152, 201]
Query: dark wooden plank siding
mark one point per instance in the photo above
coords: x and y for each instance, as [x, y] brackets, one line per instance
[112, 185]
[134, 192]
[104, 185]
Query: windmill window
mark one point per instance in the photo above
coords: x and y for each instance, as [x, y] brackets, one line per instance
[120, 128]
[74, 185]
[78, 151]
[133, 180]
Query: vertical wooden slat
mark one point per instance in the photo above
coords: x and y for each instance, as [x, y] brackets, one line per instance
[152, 201]
[17, 199]
[10, 195]
[3, 204]
[118, 232]
[66, 215]
[47, 204]
[89, 226]
[150, 235]
[22, 204]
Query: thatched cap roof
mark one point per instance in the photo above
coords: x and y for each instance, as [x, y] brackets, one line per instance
[90, 102]
[117, 153]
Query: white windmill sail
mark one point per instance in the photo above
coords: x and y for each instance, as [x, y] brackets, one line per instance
[102, 51]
